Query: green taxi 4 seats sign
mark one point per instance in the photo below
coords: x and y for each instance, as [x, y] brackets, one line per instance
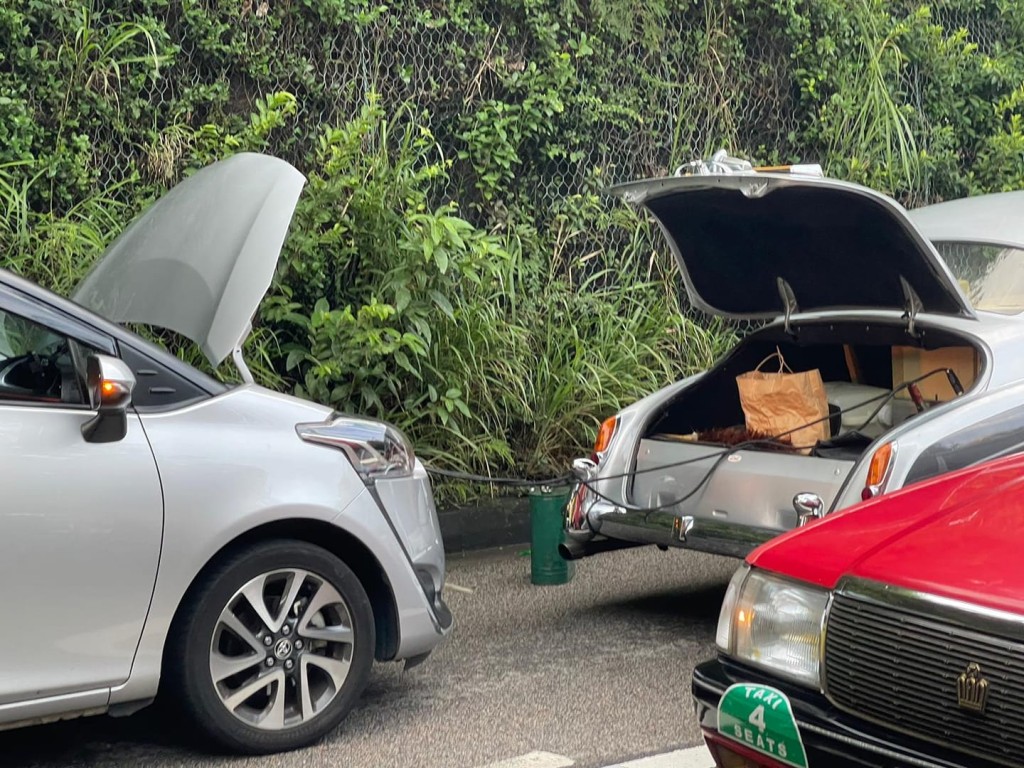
[761, 718]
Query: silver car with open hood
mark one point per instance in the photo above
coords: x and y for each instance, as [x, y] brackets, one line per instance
[912, 319]
[247, 553]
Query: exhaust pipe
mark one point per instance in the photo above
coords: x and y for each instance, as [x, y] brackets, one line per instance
[576, 550]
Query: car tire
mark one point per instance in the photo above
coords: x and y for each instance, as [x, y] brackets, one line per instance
[273, 647]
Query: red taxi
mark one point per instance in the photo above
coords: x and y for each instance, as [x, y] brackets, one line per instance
[890, 634]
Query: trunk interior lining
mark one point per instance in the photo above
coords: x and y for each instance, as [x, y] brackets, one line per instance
[713, 401]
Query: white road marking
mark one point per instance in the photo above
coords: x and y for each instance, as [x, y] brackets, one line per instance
[534, 760]
[695, 757]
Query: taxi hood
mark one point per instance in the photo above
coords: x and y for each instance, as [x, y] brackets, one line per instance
[201, 258]
[957, 536]
[759, 245]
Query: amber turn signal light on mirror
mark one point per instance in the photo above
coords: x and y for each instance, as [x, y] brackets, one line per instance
[112, 390]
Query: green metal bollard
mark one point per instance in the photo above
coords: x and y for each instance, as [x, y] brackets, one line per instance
[547, 516]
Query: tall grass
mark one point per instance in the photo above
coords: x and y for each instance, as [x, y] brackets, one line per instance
[52, 249]
[876, 128]
[542, 360]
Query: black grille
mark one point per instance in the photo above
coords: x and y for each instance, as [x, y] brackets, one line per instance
[900, 670]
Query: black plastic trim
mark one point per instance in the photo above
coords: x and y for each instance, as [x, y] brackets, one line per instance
[32, 308]
[159, 386]
[831, 738]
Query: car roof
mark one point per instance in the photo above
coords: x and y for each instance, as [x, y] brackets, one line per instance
[993, 219]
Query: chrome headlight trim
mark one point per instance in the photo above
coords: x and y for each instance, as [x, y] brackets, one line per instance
[377, 450]
[725, 634]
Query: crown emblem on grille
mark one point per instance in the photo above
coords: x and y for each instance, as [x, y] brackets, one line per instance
[972, 689]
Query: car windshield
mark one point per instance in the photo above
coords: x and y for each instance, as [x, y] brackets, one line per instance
[992, 276]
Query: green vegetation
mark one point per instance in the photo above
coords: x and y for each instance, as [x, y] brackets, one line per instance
[453, 265]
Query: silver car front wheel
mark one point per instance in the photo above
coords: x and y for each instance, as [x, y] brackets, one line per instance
[277, 647]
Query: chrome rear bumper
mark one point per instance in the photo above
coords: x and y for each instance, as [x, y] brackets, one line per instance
[671, 530]
[597, 526]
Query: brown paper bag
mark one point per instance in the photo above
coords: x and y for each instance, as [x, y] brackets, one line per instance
[776, 403]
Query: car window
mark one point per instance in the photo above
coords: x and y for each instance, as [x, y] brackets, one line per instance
[39, 365]
[998, 435]
[992, 276]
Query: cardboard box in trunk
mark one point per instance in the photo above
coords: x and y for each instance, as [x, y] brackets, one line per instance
[910, 362]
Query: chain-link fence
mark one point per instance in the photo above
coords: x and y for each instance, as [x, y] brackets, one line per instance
[642, 92]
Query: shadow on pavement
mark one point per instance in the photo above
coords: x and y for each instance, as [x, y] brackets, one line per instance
[97, 740]
[700, 604]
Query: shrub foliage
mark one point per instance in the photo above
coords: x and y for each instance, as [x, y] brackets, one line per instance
[453, 265]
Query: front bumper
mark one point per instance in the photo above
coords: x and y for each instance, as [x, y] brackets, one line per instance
[831, 739]
[407, 506]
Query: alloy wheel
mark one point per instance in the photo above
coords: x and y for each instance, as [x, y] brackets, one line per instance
[282, 649]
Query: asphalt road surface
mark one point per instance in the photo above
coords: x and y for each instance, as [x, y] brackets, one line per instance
[597, 670]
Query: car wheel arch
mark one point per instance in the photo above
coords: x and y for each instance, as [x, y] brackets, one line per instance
[339, 542]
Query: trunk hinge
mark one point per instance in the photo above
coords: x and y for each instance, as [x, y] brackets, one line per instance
[788, 302]
[912, 306]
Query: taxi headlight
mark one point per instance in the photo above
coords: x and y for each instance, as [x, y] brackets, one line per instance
[775, 624]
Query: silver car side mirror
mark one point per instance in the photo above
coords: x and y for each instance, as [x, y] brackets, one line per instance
[109, 383]
[808, 507]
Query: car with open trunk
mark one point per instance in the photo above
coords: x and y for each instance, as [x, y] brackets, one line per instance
[912, 318]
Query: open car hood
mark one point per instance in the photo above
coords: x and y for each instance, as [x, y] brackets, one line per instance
[761, 245]
[201, 258]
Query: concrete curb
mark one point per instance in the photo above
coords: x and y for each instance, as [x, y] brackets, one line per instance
[488, 523]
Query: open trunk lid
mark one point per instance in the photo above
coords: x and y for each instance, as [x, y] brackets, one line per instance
[761, 245]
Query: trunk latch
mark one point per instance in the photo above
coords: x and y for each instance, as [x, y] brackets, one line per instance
[911, 306]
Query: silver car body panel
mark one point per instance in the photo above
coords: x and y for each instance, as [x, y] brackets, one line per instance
[200, 259]
[725, 497]
[248, 470]
[251, 469]
[80, 528]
